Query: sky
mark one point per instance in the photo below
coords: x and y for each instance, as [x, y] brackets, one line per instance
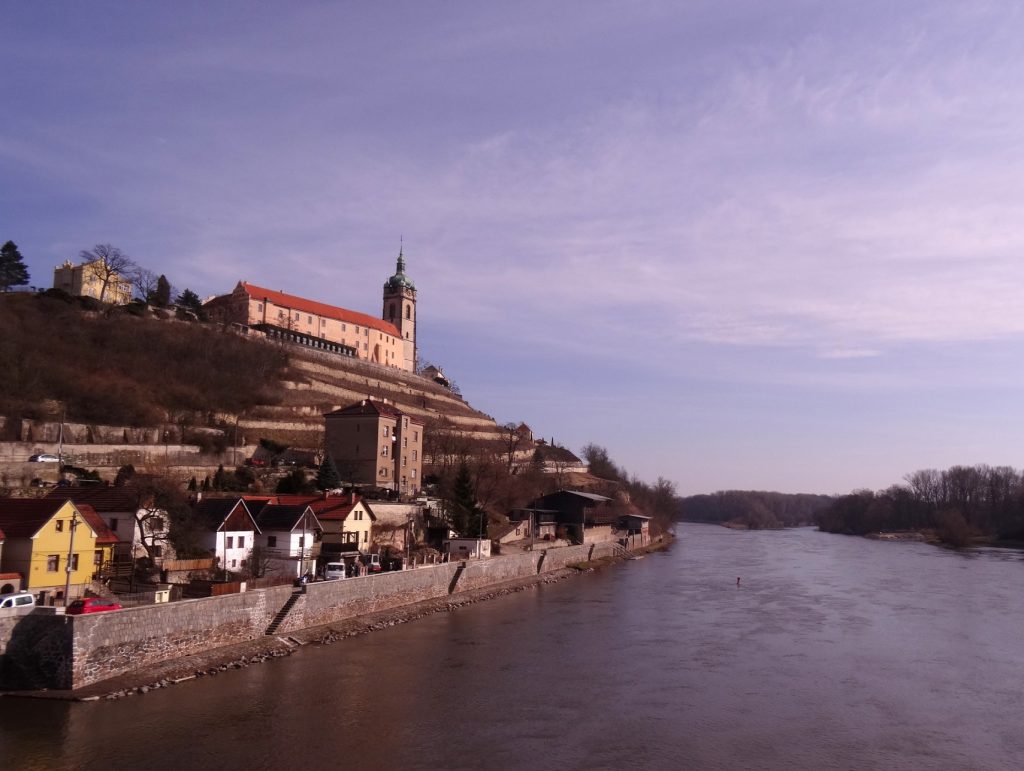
[742, 245]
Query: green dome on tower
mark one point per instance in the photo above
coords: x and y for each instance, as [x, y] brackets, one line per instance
[400, 280]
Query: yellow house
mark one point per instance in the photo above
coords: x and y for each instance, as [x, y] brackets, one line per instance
[46, 536]
[87, 280]
[346, 520]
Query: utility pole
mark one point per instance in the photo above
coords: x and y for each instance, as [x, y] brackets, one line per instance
[71, 554]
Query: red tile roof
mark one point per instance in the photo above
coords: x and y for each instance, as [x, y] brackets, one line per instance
[22, 517]
[103, 533]
[320, 309]
[374, 407]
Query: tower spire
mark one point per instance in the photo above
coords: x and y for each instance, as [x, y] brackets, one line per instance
[401, 255]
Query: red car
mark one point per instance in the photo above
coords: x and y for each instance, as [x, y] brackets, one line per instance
[91, 605]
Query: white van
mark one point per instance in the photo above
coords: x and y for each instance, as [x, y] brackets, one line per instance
[16, 600]
[333, 570]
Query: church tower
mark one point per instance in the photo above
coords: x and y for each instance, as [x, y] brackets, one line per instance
[400, 310]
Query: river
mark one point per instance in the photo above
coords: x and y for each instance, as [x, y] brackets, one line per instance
[833, 653]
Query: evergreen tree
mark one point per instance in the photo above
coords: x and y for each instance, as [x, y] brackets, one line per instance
[12, 267]
[190, 300]
[162, 295]
[466, 516]
[192, 485]
[219, 478]
[327, 477]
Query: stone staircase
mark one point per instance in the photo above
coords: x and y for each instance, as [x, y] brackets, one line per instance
[285, 610]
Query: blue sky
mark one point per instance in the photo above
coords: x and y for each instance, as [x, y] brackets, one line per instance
[740, 244]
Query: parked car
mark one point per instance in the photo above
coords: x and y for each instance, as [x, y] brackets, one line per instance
[91, 605]
[259, 462]
[334, 570]
[44, 457]
[16, 600]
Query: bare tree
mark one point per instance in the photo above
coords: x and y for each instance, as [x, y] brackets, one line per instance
[106, 263]
[145, 283]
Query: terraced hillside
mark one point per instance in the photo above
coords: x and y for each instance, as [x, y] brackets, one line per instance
[320, 382]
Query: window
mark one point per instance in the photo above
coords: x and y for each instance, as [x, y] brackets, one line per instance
[259, 306]
[156, 524]
[357, 329]
[310, 319]
[343, 327]
[234, 563]
[414, 455]
[302, 541]
[414, 473]
[74, 562]
[272, 541]
[229, 542]
[158, 551]
[359, 514]
[59, 525]
[385, 430]
[323, 322]
[243, 563]
[53, 563]
[241, 542]
[405, 441]
[404, 461]
[415, 436]
[97, 558]
[384, 451]
[280, 314]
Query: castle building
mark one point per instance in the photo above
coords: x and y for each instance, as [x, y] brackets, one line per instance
[88, 280]
[390, 341]
[374, 443]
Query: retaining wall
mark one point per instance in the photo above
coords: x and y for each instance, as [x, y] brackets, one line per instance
[55, 651]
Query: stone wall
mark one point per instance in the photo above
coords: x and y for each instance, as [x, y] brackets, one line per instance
[56, 651]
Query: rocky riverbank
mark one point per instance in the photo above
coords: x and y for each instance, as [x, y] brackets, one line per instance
[213, 662]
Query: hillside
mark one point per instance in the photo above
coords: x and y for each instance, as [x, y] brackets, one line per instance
[136, 378]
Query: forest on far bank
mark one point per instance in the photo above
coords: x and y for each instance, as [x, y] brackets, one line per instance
[754, 509]
[960, 504]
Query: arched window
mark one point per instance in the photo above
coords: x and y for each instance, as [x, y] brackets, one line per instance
[408, 311]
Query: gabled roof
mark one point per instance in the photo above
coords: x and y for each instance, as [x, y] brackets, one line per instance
[23, 517]
[275, 516]
[105, 499]
[103, 533]
[216, 512]
[331, 508]
[318, 308]
[372, 407]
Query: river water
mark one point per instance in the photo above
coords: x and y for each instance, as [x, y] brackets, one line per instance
[833, 653]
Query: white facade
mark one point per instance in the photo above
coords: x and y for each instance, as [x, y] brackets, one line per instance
[231, 548]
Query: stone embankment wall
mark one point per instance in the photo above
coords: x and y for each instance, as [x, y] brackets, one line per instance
[55, 651]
